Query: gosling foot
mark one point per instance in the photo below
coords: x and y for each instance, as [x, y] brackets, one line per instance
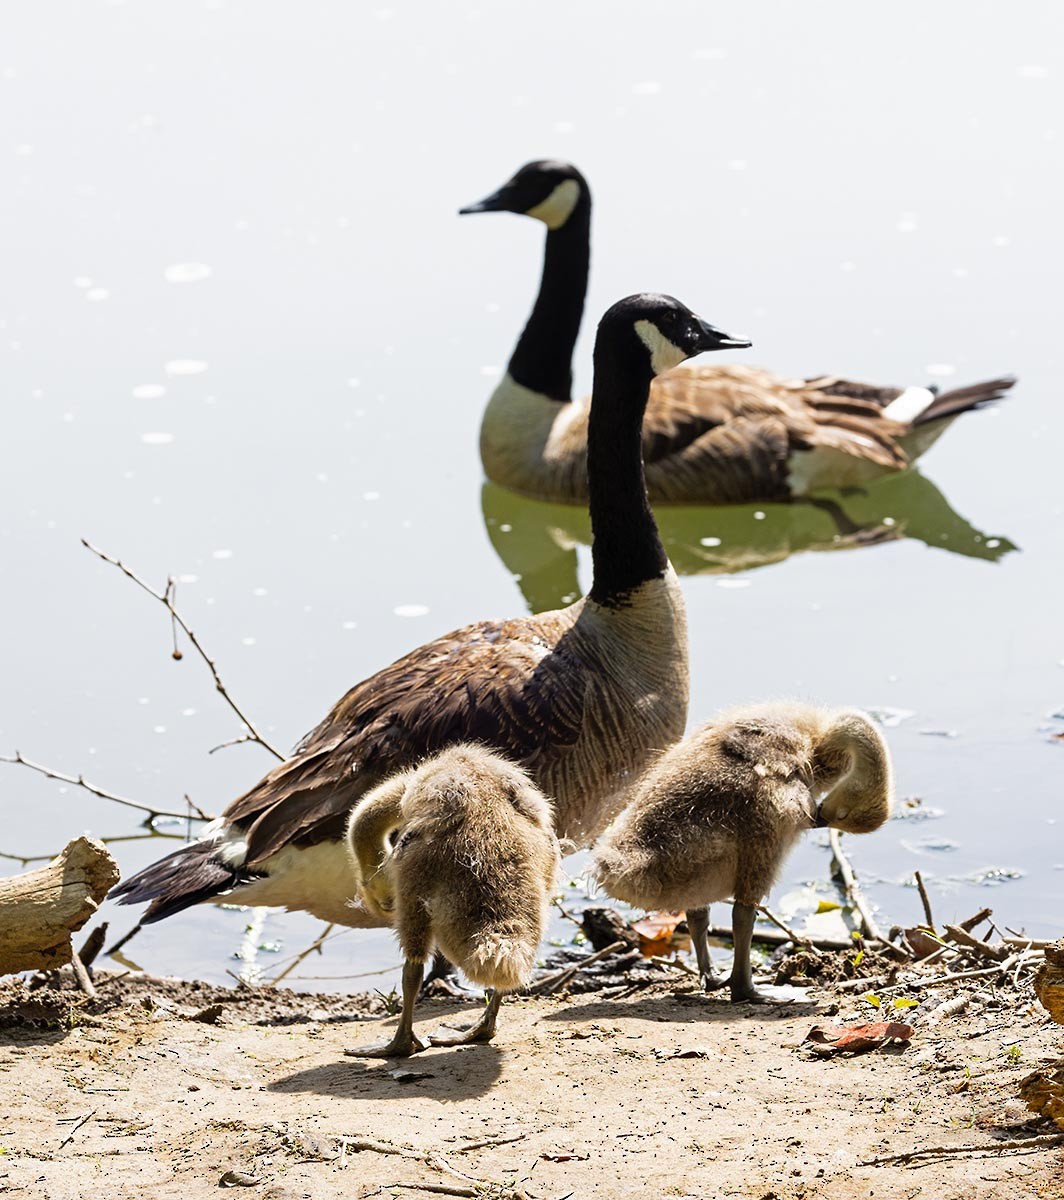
[469, 1035]
[744, 992]
[398, 1047]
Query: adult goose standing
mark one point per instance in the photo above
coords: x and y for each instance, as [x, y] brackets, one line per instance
[711, 435]
[582, 697]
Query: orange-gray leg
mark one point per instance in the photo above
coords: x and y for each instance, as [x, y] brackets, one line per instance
[741, 978]
[482, 1031]
[404, 1042]
[698, 926]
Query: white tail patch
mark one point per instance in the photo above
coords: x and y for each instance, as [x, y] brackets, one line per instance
[232, 851]
[558, 206]
[664, 355]
[909, 405]
[232, 846]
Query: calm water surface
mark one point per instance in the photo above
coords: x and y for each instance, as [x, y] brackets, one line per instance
[245, 340]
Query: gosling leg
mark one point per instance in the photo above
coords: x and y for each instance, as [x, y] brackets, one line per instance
[404, 1042]
[741, 978]
[698, 926]
[482, 1031]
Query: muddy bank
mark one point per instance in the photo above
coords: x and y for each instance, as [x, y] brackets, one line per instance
[163, 1088]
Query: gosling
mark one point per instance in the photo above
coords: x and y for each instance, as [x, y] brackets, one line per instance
[459, 854]
[718, 813]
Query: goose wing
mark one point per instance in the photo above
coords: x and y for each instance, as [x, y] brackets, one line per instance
[513, 685]
[693, 406]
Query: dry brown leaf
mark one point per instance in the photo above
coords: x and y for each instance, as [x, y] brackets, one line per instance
[572, 1157]
[658, 936]
[855, 1038]
[922, 942]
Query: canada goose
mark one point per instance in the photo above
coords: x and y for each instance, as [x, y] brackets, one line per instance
[582, 697]
[711, 435]
[460, 853]
[718, 813]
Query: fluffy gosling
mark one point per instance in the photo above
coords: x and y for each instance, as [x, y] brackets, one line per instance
[718, 813]
[460, 854]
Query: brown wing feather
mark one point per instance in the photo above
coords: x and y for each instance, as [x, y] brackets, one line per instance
[690, 403]
[513, 685]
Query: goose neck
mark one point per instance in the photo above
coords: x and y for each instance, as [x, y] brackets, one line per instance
[543, 357]
[626, 549]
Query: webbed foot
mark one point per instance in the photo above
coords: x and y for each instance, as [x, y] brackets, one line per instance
[744, 992]
[398, 1047]
[469, 1036]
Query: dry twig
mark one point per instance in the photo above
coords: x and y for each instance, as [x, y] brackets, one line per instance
[924, 900]
[1043, 1141]
[70, 1136]
[844, 869]
[479, 1187]
[550, 983]
[797, 938]
[296, 959]
[961, 937]
[82, 975]
[81, 782]
[166, 598]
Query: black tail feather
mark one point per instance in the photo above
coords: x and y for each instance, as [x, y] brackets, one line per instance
[189, 876]
[959, 400]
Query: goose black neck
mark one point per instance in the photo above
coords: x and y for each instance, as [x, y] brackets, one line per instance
[543, 358]
[626, 549]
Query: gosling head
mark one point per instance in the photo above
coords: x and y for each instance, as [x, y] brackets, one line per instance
[660, 332]
[377, 885]
[547, 189]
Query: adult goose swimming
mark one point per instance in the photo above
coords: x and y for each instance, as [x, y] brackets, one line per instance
[583, 697]
[711, 435]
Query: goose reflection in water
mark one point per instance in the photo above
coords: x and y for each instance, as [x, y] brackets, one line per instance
[538, 541]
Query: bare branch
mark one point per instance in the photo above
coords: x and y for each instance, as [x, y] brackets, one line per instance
[925, 900]
[797, 938]
[166, 599]
[81, 782]
[844, 869]
[296, 959]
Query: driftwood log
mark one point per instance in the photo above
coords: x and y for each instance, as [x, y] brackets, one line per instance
[1049, 982]
[39, 910]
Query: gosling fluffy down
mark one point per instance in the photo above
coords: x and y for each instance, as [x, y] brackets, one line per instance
[461, 855]
[717, 814]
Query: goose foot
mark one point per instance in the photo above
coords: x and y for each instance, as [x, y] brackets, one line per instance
[398, 1047]
[472, 1036]
[744, 992]
[483, 1031]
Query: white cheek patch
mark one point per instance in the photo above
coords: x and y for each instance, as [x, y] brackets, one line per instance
[558, 206]
[664, 355]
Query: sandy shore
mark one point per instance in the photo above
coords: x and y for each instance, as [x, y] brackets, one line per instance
[163, 1089]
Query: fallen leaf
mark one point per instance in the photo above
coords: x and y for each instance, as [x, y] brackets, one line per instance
[684, 1052]
[872, 999]
[657, 934]
[855, 1038]
[404, 1075]
[922, 942]
[210, 1015]
[658, 937]
[573, 1157]
[905, 1002]
[238, 1179]
[824, 906]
